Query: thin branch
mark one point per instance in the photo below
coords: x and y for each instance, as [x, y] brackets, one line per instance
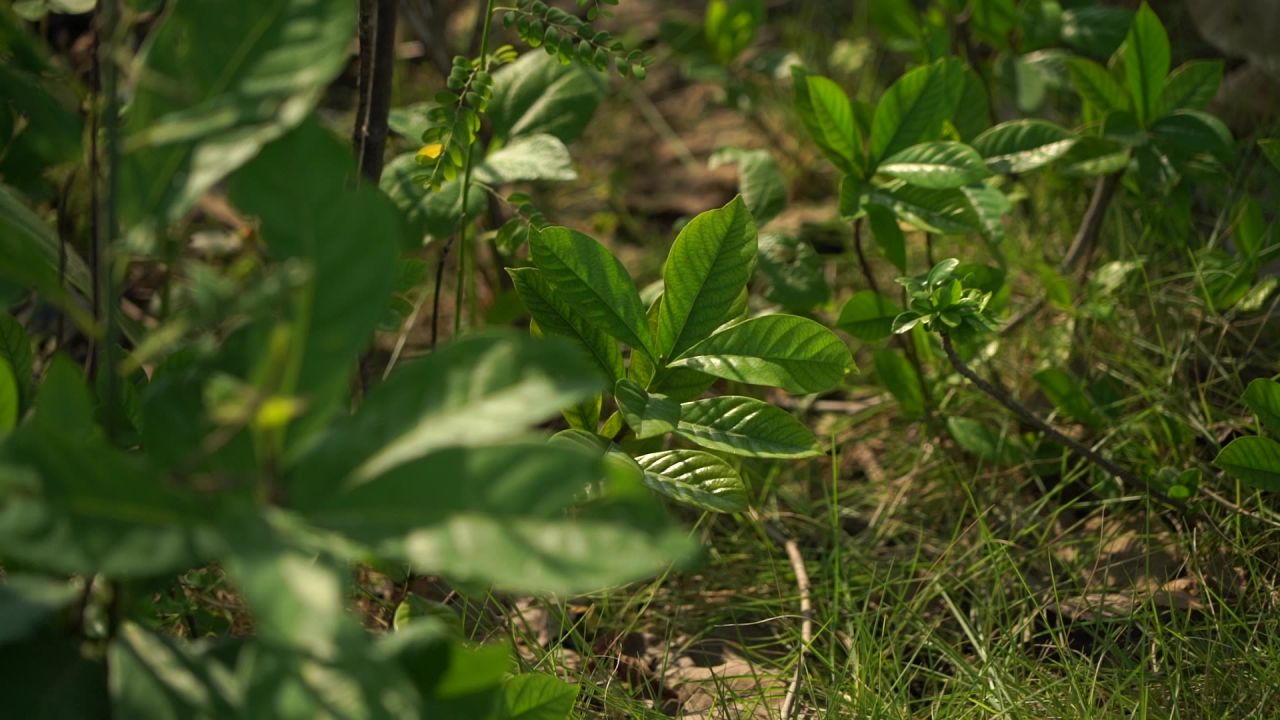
[862, 257]
[1082, 246]
[1001, 396]
[1086, 240]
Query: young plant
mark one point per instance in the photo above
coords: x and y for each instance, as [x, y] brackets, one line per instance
[693, 333]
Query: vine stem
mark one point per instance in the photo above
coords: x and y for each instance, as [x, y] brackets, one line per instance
[1002, 396]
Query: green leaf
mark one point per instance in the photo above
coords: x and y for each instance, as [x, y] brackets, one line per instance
[937, 165]
[16, 350]
[989, 206]
[827, 115]
[1191, 86]
[786, 351]
[695, 478]
[901, 379]
[794, 271]
[1188, 133]
[981, 441]
[1263, 398]
[10, 399]
[946, 212]
[889, 238]
[485, 388]
[1093, 156]
[705, 274]
[526, 158]
[746, 426]
[1253, 460]
[1067, 395]
[898, 22]
[346, 234]
[536, 696]
[1096, 86]
[1095, 30]
[216, 84]
[1271, 149]
[868, 316]
[914, 108]
[648, 415]
[70, 503]
[1146, 63]
[590, 279]
[1250, 228]
[973, 110]
[156, 676]
[538, 94]
[558, 318]
[425, 212]
[759, 180]
[1020, 146]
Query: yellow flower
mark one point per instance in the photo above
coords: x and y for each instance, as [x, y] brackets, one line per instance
[430, 152]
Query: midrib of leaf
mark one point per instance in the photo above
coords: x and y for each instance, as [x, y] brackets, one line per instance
[721, 253]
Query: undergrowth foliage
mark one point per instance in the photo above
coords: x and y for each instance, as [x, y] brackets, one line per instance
[226, 429]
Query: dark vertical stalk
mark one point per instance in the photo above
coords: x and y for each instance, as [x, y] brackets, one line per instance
[377, 40]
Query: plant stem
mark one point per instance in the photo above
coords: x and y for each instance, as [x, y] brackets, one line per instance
[1086, 239]
[377, 33]
[1004, 398]
[863, 265]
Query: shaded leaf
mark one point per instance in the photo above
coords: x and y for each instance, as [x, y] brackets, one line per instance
[217, 83]
[538, 94]
[1146, 63]
[936, 165]
[868, 316]
[648, 415]
[901, 379]
[759, 180]
[1020, 146]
